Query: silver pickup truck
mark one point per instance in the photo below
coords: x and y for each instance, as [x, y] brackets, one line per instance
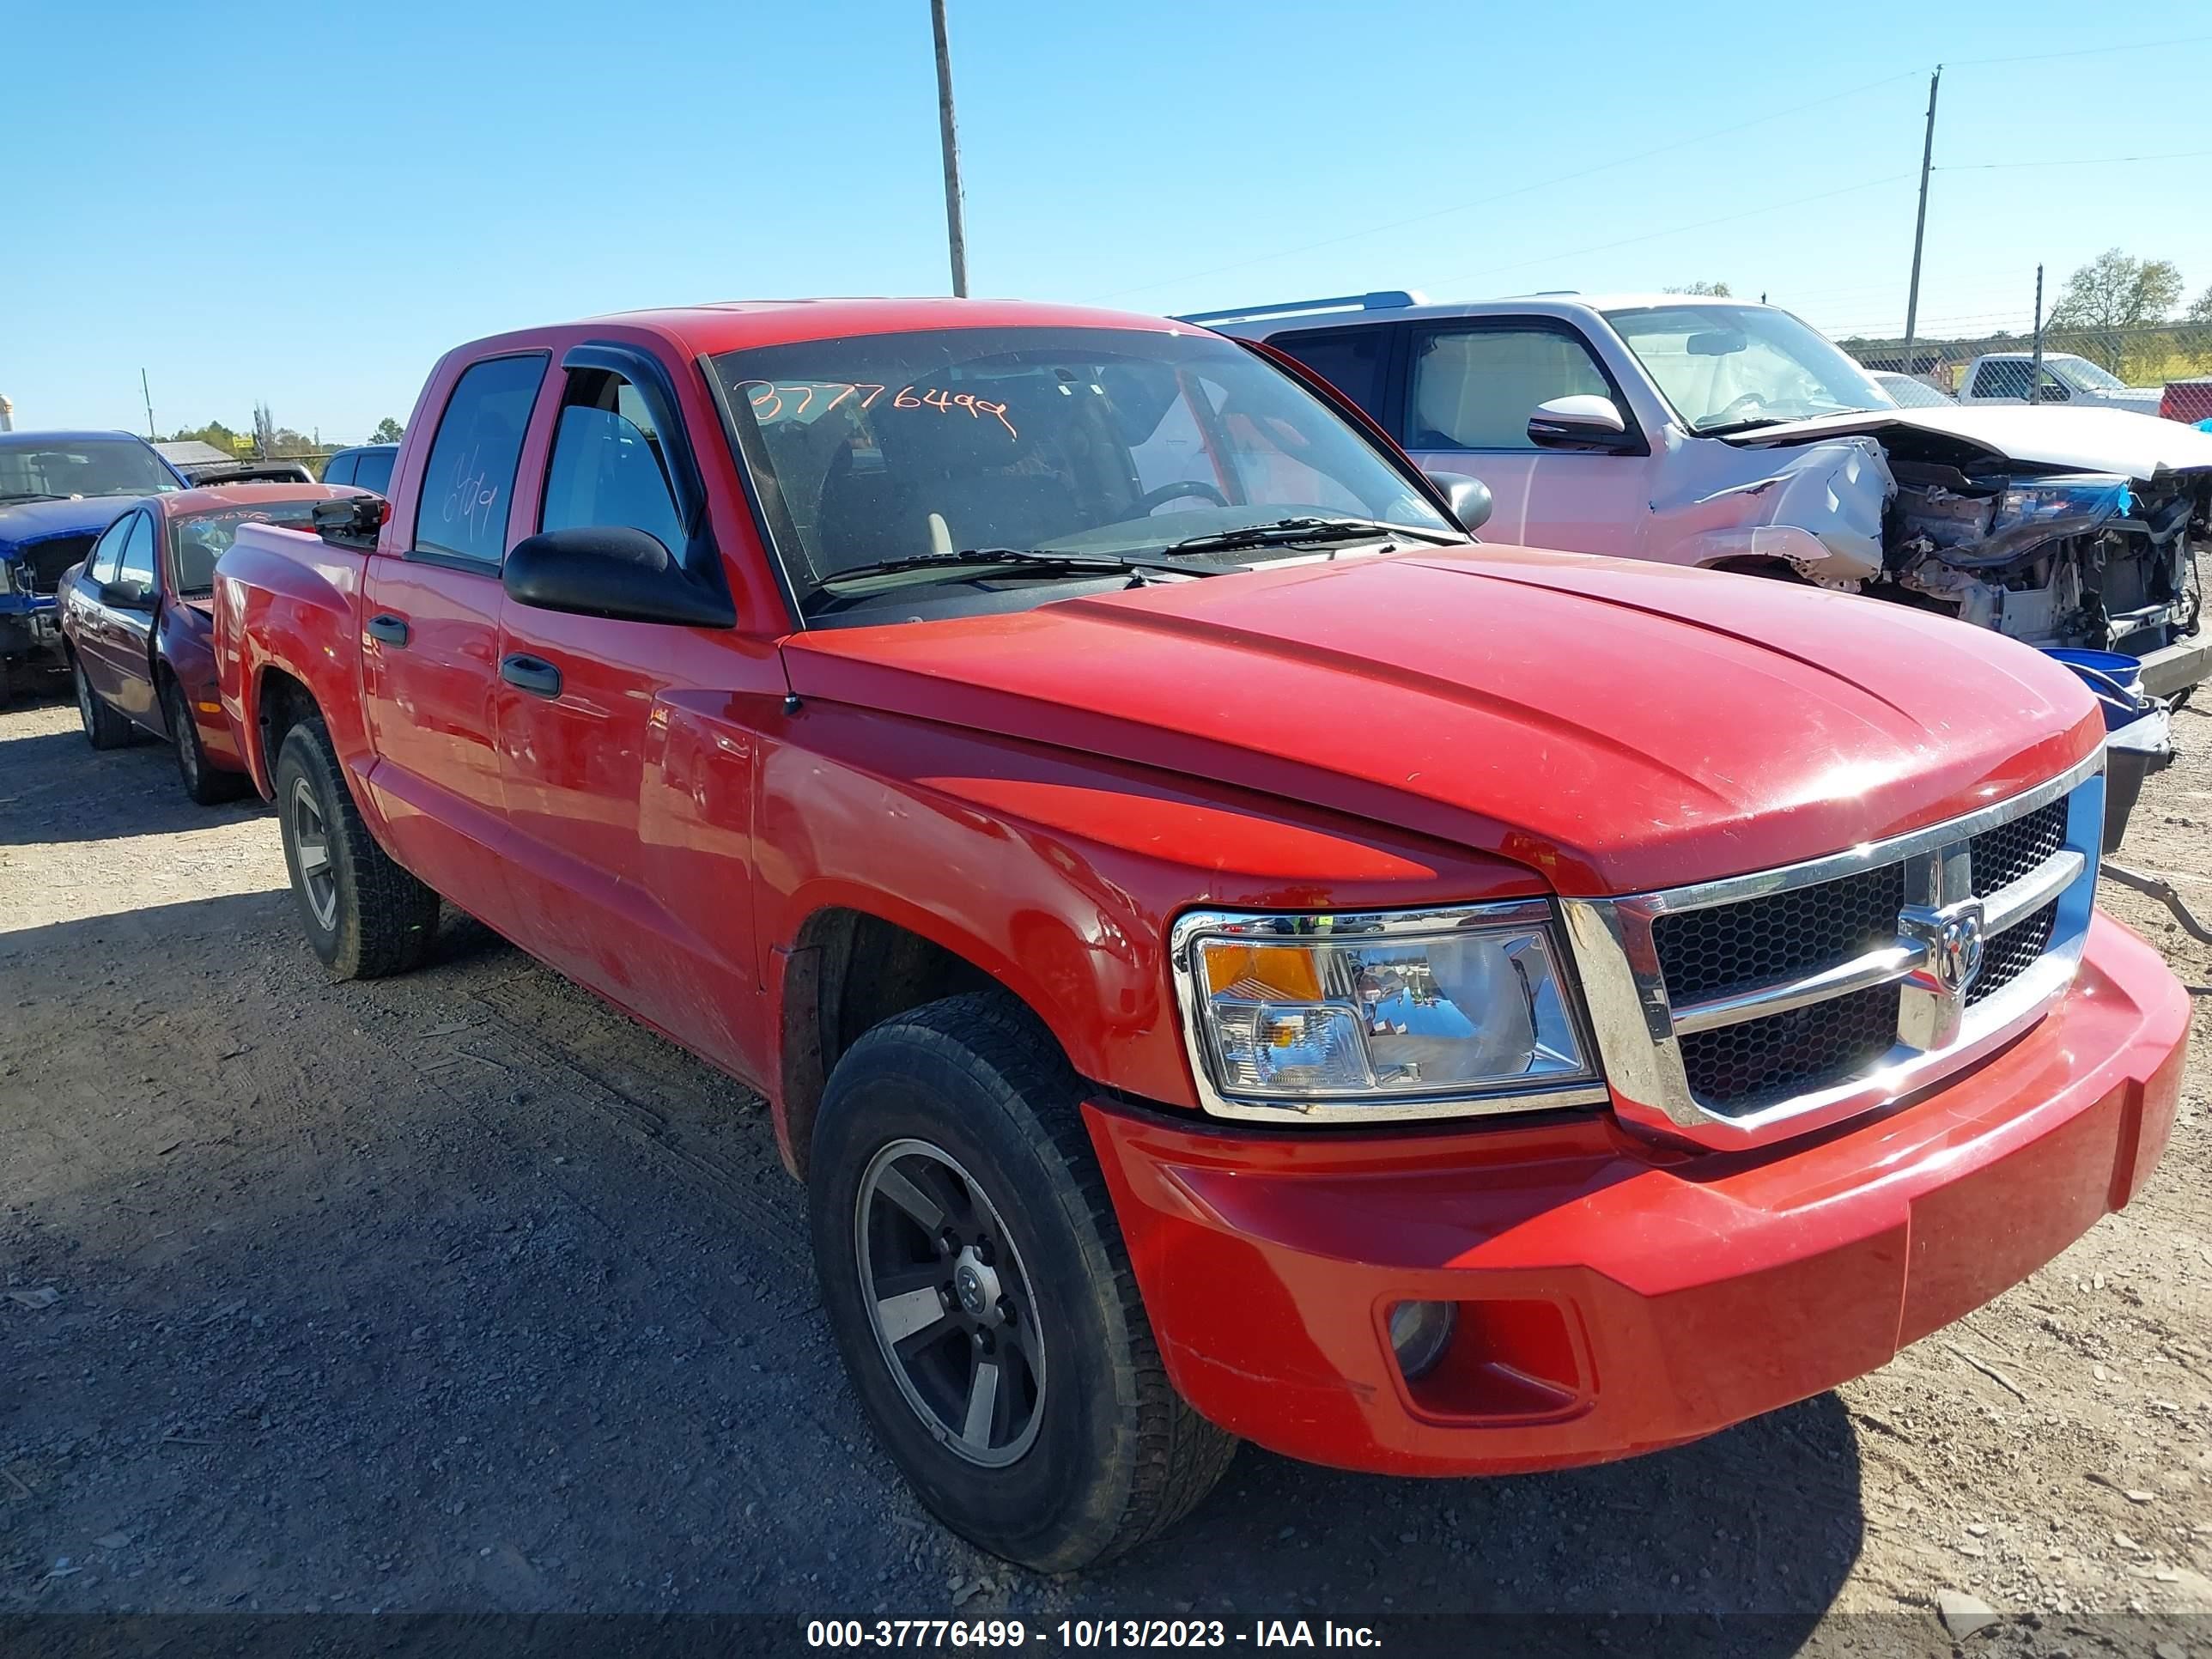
[1709, 432]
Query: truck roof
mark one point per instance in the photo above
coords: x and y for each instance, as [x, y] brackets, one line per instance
[733, 324]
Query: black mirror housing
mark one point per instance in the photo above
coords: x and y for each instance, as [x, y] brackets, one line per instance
[1469, 498]
[610, 571]
[351, 521]
[127, 596]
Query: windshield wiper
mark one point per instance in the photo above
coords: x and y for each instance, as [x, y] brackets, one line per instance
[1041, 561]
[1289, 531]
[30, 495]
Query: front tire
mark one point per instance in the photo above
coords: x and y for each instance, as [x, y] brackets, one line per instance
[206, 784]
[982, 1298]
[103, 727]
[366, 916]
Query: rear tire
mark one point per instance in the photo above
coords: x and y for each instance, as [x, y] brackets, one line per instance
[366, 916]
[1081, 1449]
[103, 727]
[207, 784]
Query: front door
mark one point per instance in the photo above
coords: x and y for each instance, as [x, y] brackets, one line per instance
[111, 640]
[429, 620]
[1470, 389]
[627, 786]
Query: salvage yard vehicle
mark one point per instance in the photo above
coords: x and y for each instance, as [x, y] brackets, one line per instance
[136, 624]
[1908, 392]
[58, 491]
[2004, 377]
[1709, 432]
[1228, 956]
[368, 466]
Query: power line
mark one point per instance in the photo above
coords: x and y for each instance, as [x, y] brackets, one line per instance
[2084, 52]
[1519, 190]
[1673, 230]
[2085, 161]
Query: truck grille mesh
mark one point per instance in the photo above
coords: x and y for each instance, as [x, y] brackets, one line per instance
[2012, 952]
[2004, 854]
[1740, 1069]
[1730, 947]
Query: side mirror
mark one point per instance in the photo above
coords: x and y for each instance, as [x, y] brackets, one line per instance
[1582, 422]
[1469, 498]
[350, 521]
[128, 595]
[610, 571]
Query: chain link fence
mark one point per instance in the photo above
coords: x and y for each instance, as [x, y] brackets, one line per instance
[2174, 359]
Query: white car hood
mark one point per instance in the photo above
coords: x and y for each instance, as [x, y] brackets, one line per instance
[2084, 439]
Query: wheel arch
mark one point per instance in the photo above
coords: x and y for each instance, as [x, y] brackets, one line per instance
[848, 970]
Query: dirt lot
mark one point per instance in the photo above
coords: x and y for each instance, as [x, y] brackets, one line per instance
[459, 1292]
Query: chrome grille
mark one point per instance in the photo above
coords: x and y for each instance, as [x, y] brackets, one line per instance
[2002, 856]
[1728, 947]
[1754, 1064]
[1743, 1009]
[2012, 953]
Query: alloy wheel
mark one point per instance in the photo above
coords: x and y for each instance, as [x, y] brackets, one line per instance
[311, 845]
[949, 1303]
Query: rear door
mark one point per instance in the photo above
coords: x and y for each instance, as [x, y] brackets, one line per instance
[1469, 388]
[430, 640]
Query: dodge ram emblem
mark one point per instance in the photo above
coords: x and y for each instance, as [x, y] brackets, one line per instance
[1955, 953]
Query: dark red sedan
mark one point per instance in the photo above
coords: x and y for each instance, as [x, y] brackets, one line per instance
[135, 616]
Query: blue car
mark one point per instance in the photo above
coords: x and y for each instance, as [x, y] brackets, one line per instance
[58, 491]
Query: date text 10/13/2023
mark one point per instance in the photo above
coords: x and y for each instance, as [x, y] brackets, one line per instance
[1084, 1635]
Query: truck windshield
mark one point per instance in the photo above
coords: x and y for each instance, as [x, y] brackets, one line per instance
[2083, 375]
[886, 448]
[201, 539]
[1730, 367]
[93, 466]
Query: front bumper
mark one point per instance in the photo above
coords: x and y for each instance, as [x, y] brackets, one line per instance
[32, 631]
[2178, 666]
[1616, 1295]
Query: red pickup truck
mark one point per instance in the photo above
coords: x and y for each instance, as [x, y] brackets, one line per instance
[1229, 957]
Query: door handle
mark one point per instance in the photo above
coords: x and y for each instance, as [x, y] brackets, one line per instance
[533, 674]
[389, 629]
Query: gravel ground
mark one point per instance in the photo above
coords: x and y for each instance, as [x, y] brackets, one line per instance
[460, 1293]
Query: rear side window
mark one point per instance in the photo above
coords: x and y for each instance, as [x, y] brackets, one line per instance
[340, 470]
[608, 468]
[137, 551]
[1352, 360]
[469, 485]
[1476, 388]
[373, 470]
[2002, 379]
[107, 553]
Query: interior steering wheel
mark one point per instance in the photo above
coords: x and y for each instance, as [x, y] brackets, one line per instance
[1176, 491]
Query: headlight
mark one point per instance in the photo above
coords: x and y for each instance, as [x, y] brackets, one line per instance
[1361, 1018]
[7, 577]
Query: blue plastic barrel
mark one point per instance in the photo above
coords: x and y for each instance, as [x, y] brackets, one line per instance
[2116, 677]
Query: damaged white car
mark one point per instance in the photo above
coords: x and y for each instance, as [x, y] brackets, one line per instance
[1708, 432]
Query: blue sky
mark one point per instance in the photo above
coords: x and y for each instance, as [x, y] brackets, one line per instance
[308, 207]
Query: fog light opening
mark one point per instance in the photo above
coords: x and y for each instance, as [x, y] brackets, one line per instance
[1420, 1332]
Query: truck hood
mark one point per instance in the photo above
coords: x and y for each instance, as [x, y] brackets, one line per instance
[80, 515]
[2074, 439]
[1614, 725]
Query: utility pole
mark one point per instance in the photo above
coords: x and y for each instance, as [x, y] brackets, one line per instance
[2035, 375]
[146, 392]
[1920, 224]
[955, 229]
